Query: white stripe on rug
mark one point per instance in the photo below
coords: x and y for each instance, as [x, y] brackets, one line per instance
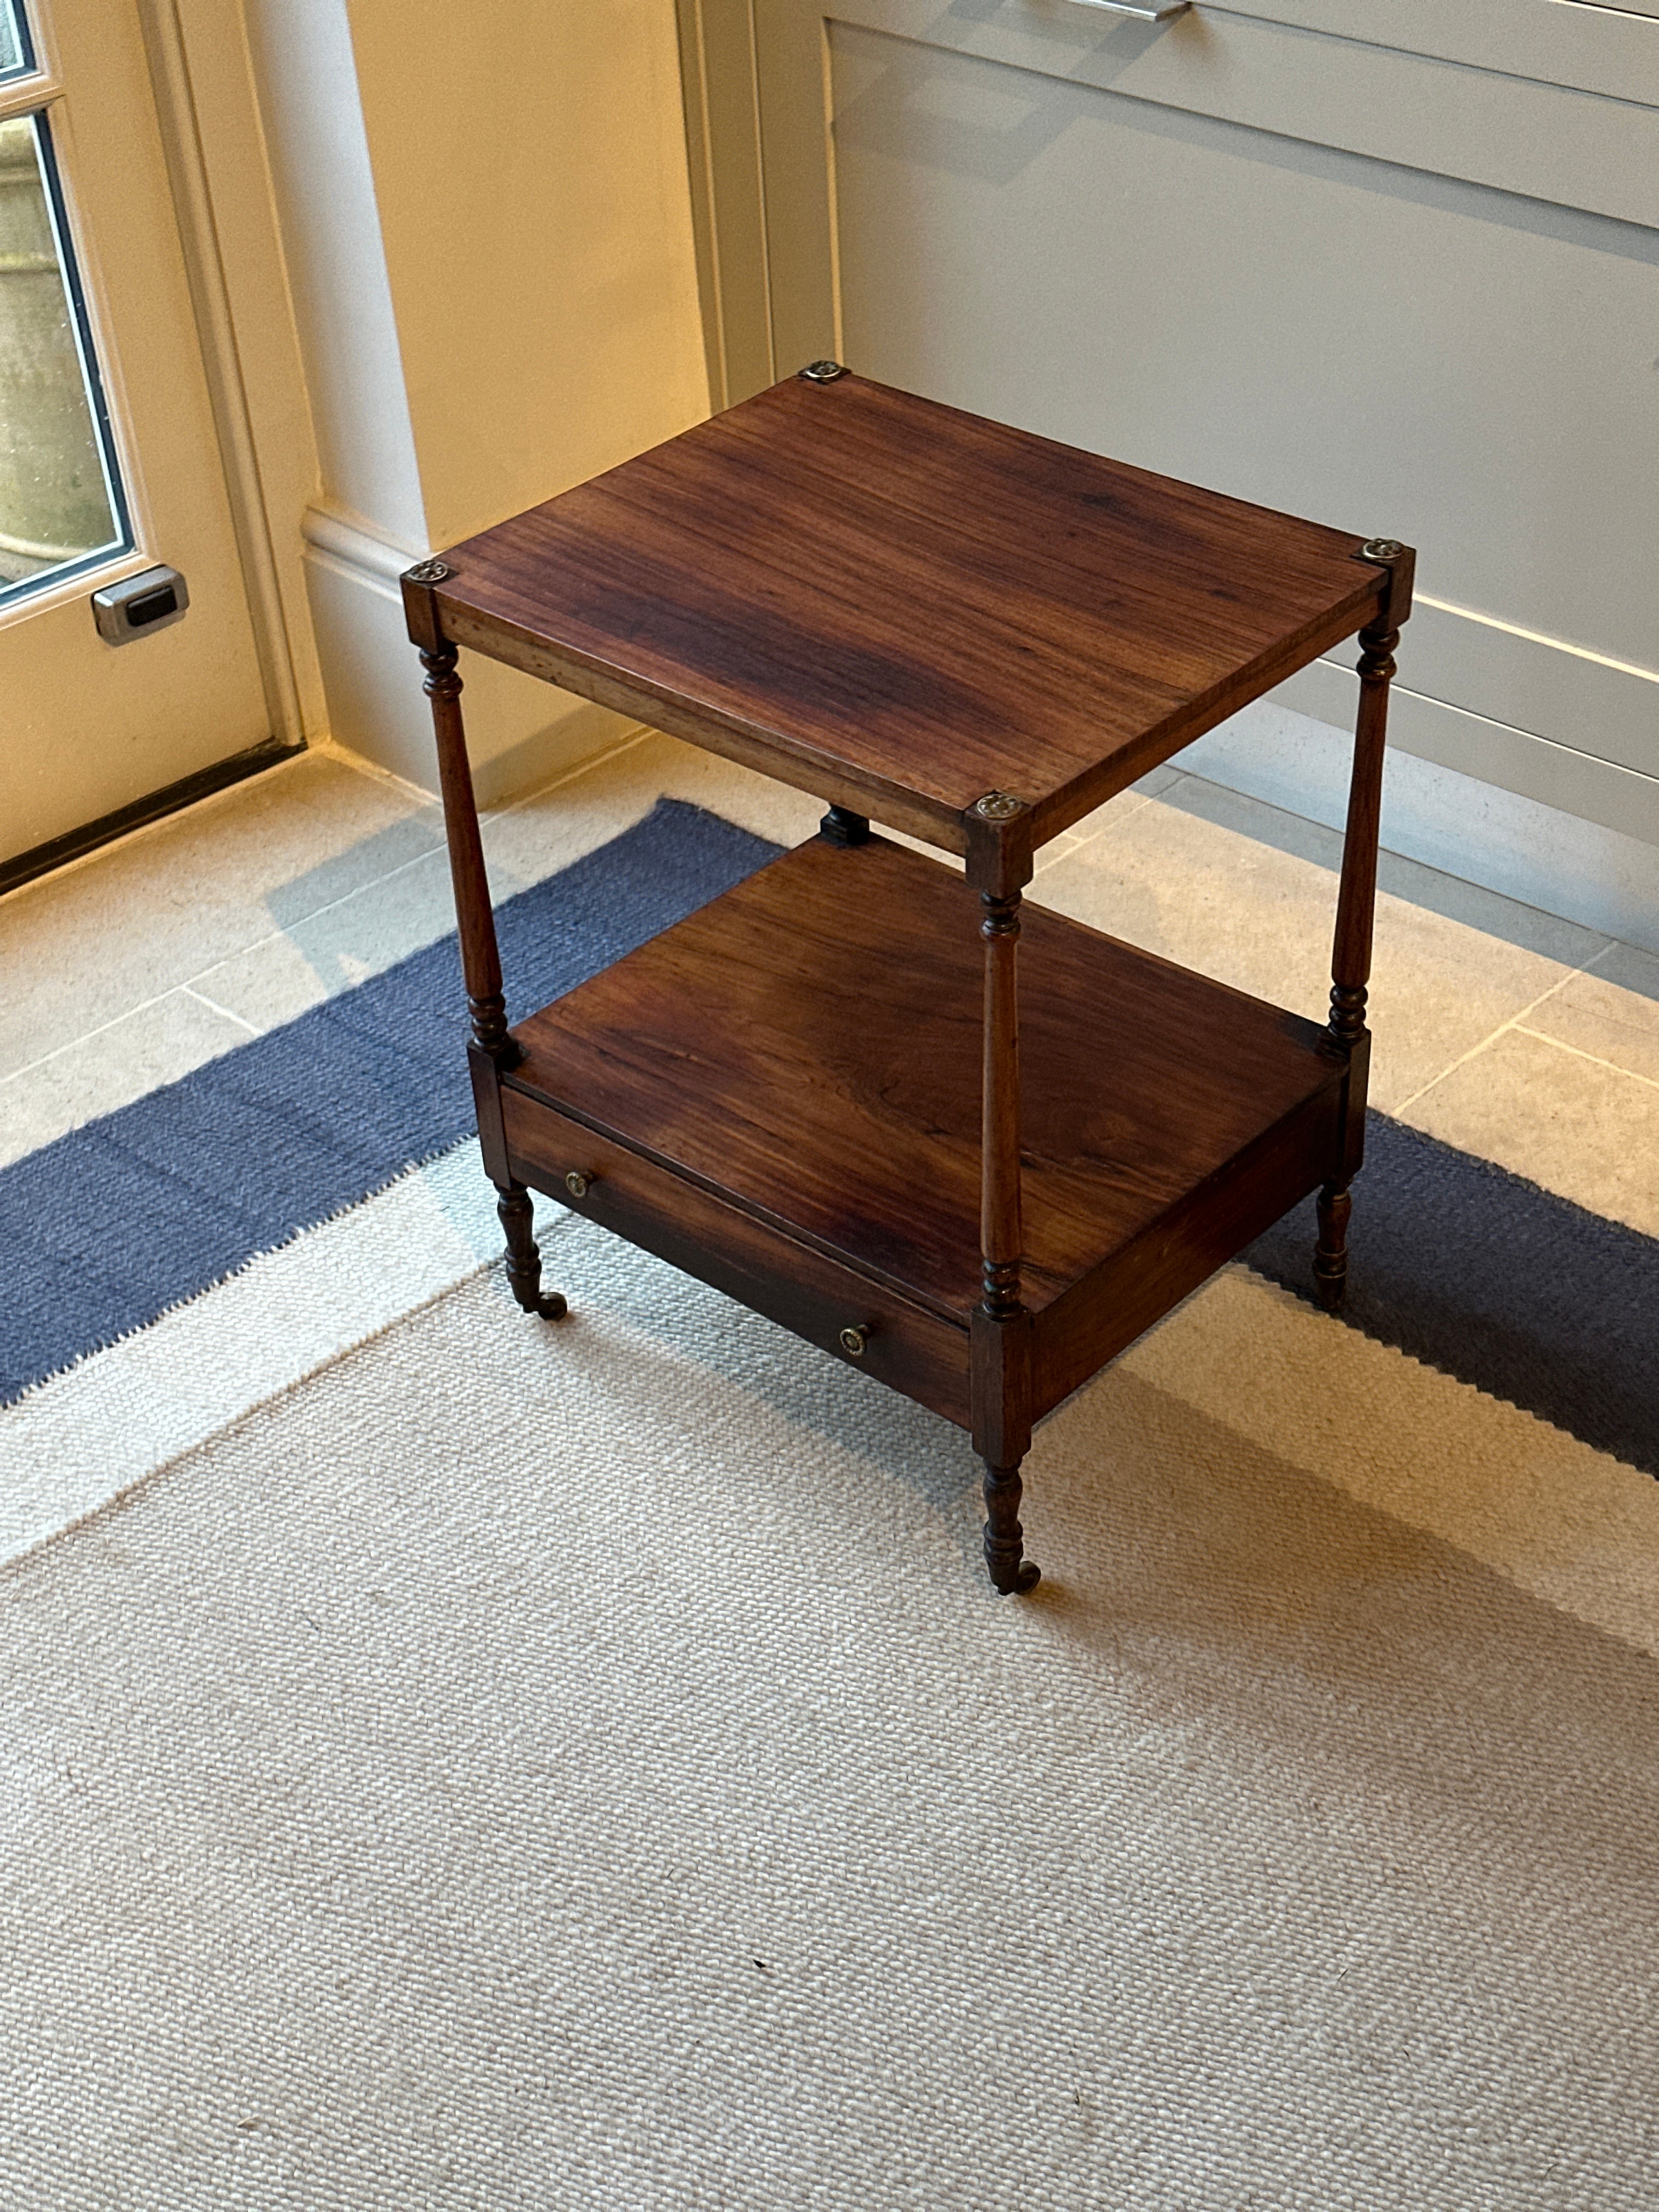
[584, 1767]
[1569, 1523]
[70, 1444]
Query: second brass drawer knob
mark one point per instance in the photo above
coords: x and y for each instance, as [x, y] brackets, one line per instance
[853, 1341]
[576, 1183]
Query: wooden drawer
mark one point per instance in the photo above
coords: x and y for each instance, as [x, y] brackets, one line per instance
[910, 1349]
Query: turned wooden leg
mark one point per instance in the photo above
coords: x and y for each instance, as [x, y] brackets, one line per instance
[1331, 1252]
[999, 866]
[524, 1259]
[1010, 1571]
[841, 826]
[1356, 905]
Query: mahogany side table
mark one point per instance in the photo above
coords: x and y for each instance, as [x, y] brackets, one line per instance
[823, 1093]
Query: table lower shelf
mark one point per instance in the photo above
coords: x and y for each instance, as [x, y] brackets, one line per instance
[781, 1095]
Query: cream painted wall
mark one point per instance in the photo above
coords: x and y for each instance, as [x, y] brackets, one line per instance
[537, 220]
[487, 224]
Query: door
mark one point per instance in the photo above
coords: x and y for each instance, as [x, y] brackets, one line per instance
[109, 460]
[1381, 263]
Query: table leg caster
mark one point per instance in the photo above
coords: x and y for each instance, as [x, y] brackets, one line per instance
[1011, 1573]
[524, 1258]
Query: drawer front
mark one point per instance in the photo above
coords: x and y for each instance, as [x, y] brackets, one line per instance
[912, 1351]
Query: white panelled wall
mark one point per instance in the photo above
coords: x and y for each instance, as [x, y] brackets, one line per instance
[1381, 263]
[1374, 262]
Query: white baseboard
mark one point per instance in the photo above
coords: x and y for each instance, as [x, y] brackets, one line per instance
[521, 733]
[1586, 870]
[1558, 775]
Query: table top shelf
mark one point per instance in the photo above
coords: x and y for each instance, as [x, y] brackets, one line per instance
[807, 1047]
[900, 607]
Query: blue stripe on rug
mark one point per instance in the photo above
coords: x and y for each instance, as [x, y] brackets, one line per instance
[1467, 1268]
[106, 1228]
[1482, 1274]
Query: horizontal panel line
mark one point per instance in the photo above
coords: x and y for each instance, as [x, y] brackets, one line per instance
[1636, 14]
[1435, 165]
[1537, 637]
[1510, 729]
[1486, 66]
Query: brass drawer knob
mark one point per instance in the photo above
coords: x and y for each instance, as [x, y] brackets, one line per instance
[853, 1341]
[577, 1183]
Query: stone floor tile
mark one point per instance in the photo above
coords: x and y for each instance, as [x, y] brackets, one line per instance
[83, 946]
[1260, 919]
[1612, 1012]
[1489, 912]
[383, 921]
[1109, 817]
[342, 945]
[154, 1045]
[1586, 1131]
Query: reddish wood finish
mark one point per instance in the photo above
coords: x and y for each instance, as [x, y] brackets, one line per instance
[1001, 1239]
[1136, 1286]
[1010, 1572]
[1001, 1327]
[1004, 1394]
[1356, 916]
[835, 1090]
[524, 1258]
[822, 1093]
[481, 963]
[898, 606]
[1356, 909]
[1331, 1247]
[902, 1344]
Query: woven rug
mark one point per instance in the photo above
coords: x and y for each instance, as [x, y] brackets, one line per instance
[1469, 1268]
[131, 1215]
[584, 1767]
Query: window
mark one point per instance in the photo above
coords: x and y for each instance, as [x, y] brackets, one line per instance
[61, 502]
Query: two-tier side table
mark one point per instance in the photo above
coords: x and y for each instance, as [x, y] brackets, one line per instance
[825, 1092]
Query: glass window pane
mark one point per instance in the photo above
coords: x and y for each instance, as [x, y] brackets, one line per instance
[15, 55]
[60, 500]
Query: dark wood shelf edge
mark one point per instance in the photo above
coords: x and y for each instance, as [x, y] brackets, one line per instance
[732, 1202]
[774, 753]
[774, 1269]
[1095, 788]
[556, 1075]
[766, 1267]
[771, 753]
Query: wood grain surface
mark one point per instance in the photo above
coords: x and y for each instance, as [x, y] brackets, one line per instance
[899, 606]
[807, 1047]
[830, 1305]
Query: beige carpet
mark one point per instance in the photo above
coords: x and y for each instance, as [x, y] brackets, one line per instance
[578, 1767]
